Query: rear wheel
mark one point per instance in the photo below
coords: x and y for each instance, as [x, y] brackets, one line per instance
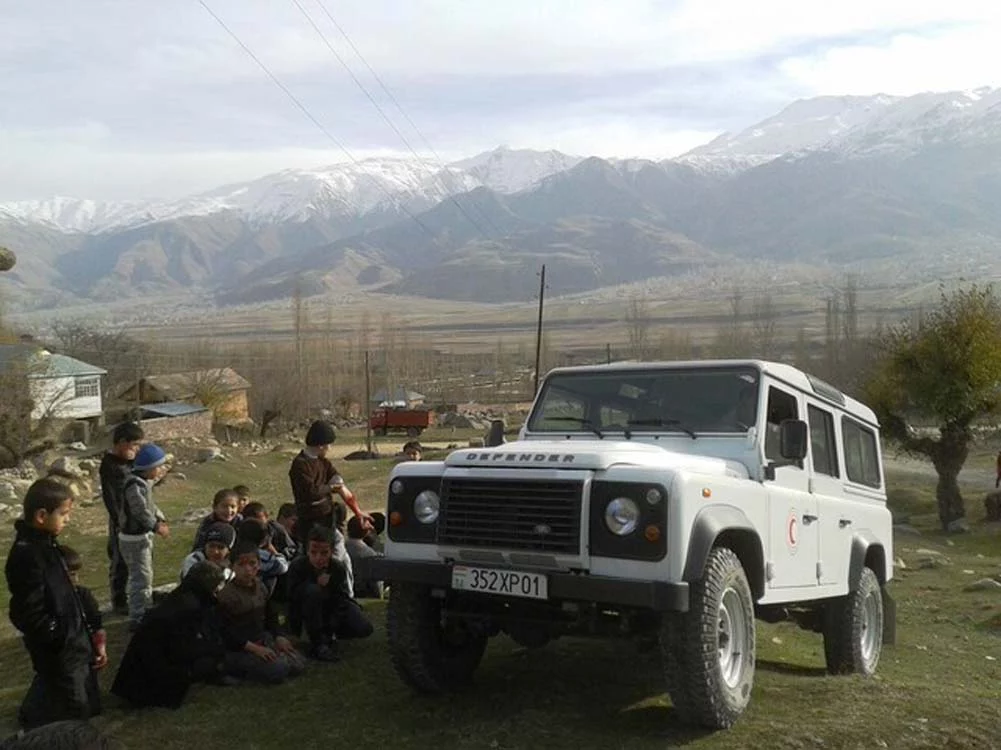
[709, 651]
[853, 628]
[413, 431]
[430, 651]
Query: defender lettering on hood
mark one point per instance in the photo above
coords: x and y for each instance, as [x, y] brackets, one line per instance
[493, 457]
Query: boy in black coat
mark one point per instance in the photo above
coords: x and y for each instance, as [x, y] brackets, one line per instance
[177, 643]
[116, 467]
[319, 599]
[91, 610]
[45, 607]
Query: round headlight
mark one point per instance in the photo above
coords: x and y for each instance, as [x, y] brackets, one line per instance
[622, 515]
[426, 506]
[396, 487]
[653, 496]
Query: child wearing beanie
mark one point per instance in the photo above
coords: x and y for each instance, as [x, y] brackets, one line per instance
[140, 521]
[219, 540]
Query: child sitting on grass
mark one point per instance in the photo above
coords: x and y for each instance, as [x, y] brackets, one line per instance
[362, 546]
[91, 611]
[257, 649]
[243, 497]
[319, 599]
[273, 564]
[280, 538]
[179, 642]
[45, 607]
[225, 509]
[219, 541]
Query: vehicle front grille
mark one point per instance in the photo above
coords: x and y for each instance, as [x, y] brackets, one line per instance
[521, 514]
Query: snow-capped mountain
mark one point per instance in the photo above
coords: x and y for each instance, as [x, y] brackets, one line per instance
[350, 189]
[335, 191]
[74, 214]
[506, 170]
[850, 124]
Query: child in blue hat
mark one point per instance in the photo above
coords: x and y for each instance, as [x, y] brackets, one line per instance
[140, 521]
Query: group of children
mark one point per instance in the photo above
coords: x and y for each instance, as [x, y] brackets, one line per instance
[249, 586]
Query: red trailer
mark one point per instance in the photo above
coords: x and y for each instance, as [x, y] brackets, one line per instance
[411, 421]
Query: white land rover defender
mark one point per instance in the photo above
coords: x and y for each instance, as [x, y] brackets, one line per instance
[671, 502]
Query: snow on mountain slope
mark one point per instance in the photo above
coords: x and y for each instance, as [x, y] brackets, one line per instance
[506, 170]
[74, 214]
[804, 125]
[338, 190]
[853, 124]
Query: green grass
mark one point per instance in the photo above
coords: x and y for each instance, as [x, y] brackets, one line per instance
[935, 689]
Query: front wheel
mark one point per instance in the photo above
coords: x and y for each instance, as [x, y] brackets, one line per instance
[430, 651]
[853, 628]
[709, 651]
[413, 432]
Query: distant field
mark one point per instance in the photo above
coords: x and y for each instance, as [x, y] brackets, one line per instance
[938, 688]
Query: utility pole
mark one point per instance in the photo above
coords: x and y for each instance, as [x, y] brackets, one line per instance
[608, 354]
[538, 330]
[368, 407]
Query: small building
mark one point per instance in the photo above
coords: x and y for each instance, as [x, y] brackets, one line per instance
[398, 398]
[60, 387]
[222, 390]
[173, 420]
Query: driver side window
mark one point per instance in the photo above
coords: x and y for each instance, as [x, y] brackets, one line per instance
[781, 406]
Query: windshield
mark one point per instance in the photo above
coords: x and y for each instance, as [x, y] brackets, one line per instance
[688, 401]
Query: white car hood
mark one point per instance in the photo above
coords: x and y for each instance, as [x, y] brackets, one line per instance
[592, 454]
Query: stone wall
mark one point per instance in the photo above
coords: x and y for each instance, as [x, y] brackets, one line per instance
[197, 425]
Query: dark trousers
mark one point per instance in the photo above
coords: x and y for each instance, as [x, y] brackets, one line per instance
[246, 666]
[59, 692]
[326, 613]
[118, 571]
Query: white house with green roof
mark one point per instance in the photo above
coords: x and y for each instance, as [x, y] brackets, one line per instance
[60, 387]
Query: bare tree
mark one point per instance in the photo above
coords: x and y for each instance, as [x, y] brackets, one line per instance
[638, 328]
[125, 358]
[764, 321]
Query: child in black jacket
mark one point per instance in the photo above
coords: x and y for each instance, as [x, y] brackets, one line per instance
[178, 642]
[45, 607]
[91, 609]
[319, 599]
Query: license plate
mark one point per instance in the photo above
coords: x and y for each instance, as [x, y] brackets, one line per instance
[496, 581]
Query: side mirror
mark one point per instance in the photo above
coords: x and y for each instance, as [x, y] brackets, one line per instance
[793, 437]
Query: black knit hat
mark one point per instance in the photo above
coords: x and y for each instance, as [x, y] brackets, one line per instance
[221, 532]
[320, 433]
[205, 577]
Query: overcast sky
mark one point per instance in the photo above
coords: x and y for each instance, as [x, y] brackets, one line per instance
[151, 98]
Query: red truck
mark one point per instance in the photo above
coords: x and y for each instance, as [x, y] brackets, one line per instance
[411, 421]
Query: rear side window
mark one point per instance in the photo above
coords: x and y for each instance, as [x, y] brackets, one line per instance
[823, 443]
[861, 455]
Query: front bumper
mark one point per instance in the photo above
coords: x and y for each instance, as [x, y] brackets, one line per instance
[575, 587]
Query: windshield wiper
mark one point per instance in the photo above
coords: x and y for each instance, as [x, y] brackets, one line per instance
[585, 423]
[655, 422]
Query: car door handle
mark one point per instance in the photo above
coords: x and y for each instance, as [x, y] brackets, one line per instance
[844, 522]
[808, 518]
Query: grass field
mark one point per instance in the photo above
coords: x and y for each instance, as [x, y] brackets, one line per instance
[938, 688]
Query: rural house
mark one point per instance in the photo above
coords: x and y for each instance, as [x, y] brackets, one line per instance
[399, 398]
[60, 387]
[222, 390]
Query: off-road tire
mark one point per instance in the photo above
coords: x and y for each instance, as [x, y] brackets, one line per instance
[425, 656]
[691, 643]
[853, 628]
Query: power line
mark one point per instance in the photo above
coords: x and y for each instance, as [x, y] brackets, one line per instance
[399, 107]
[388, 121]
[307, 113]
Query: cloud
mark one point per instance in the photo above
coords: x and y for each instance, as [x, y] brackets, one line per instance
[111, 98]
